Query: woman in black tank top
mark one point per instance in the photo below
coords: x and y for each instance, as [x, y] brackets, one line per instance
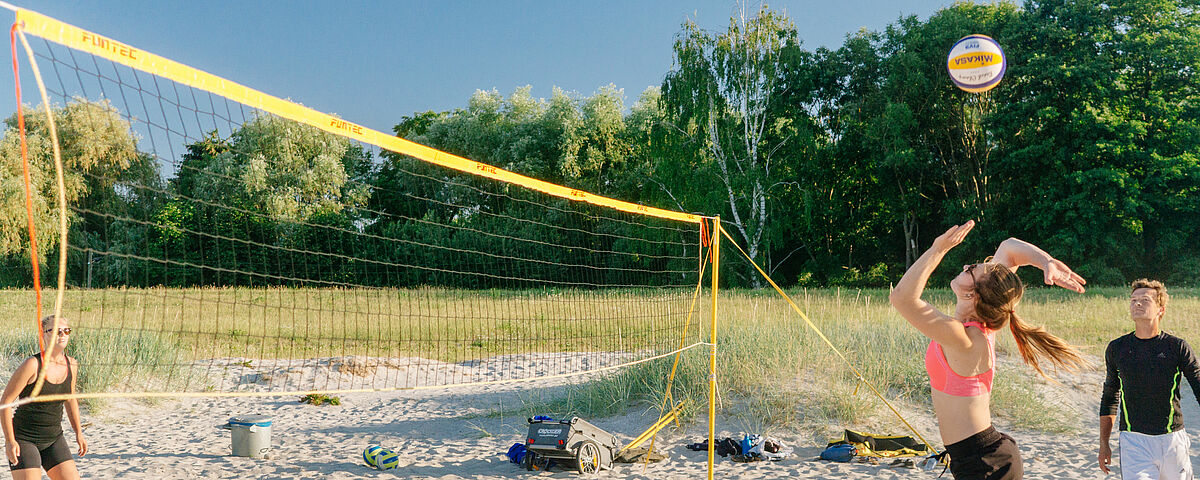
[33, 435]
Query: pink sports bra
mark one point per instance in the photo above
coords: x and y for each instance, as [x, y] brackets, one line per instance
[943, 379]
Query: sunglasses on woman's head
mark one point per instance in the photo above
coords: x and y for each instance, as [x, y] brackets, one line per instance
[61, 331]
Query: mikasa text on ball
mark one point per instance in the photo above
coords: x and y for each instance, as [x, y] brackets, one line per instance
[976, 63]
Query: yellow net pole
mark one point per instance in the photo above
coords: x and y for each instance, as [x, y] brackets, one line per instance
[712, 353]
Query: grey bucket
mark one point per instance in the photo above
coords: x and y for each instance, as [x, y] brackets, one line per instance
[251, 435]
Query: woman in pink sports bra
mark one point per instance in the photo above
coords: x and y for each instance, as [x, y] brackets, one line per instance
[961, 353]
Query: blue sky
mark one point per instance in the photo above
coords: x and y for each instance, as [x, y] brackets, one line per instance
[374, 62]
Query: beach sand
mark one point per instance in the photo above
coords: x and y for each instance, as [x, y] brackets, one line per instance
[454, 433]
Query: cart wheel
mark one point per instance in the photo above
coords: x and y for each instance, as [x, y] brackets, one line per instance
[588, 457]
[527, 462]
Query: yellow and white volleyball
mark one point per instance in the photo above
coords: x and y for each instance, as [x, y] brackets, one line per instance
[371, 455]
[976, 63]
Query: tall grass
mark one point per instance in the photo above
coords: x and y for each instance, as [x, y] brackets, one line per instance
[108, 360]
[440, 324]
[773, 370]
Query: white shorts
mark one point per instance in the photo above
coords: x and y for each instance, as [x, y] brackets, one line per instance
[1155, 457]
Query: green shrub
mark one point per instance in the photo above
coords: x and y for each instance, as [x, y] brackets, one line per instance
[319, 399]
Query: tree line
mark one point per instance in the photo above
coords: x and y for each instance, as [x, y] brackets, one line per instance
[830, 166]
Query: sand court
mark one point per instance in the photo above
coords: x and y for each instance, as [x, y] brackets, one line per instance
[456, 434]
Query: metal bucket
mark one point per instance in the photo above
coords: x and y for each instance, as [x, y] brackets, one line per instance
[251, 435]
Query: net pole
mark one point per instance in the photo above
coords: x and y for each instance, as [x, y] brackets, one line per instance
[712, 353]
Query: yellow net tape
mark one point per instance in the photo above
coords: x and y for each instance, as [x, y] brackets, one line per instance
[68, 35]
[814, 328]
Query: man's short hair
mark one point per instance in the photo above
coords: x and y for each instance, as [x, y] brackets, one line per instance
[1160, 290]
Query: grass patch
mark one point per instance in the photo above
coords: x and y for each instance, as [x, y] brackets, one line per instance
[439, 324]
[110, 360]
[319, 399]
[776, 373]
[773, 370]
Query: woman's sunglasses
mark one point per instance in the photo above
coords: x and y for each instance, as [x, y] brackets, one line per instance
[61, 331]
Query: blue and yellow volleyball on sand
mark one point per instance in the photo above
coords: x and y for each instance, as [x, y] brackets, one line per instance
[371, 454]
[976, 63]
[387, 459]
[381, 458]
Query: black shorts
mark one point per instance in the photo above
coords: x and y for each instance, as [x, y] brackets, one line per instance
[43, 455]
[987, 455]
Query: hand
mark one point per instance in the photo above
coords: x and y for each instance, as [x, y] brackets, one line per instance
[953, 236]
[13, 450]
[1105, 458]
[82, 445]
[1057, 273]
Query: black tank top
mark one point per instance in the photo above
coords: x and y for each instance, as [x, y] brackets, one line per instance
[41, 422]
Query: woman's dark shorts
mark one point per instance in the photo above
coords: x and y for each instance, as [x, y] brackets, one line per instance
[987, 455]
[44, 456]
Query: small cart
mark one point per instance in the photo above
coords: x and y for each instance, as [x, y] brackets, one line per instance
[574, 441]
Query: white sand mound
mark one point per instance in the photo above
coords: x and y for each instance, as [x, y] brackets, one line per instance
[361, 372]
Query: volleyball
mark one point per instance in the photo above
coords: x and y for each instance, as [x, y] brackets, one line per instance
[387, 459]
[371, 455]
[976, 63]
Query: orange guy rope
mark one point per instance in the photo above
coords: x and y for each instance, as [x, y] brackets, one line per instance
[33, 251]
[62, 214]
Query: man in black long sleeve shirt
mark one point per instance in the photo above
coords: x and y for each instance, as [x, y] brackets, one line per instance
[1145, 370]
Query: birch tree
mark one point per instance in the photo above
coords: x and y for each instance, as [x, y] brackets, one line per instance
[720, 95]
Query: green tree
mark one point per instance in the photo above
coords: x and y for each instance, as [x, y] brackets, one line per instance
[580, 142]
[108, 186]
[275, 203]
[933, 149]
[1099, 134]
[287, 170]
[720, 97]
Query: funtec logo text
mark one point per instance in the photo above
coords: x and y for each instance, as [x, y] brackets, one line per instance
[110, 46]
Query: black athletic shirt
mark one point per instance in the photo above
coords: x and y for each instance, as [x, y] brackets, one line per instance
[1143, 381]
[41, 422]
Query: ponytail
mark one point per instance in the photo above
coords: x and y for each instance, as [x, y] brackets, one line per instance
[999, 290]
[1034, 342]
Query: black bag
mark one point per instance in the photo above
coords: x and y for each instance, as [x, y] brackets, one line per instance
[725, 447]
[728, 446]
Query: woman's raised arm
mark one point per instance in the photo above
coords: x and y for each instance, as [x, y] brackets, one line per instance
[906, 296]
[1014, 253]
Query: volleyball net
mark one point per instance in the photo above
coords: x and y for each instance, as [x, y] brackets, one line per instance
[204, 238]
